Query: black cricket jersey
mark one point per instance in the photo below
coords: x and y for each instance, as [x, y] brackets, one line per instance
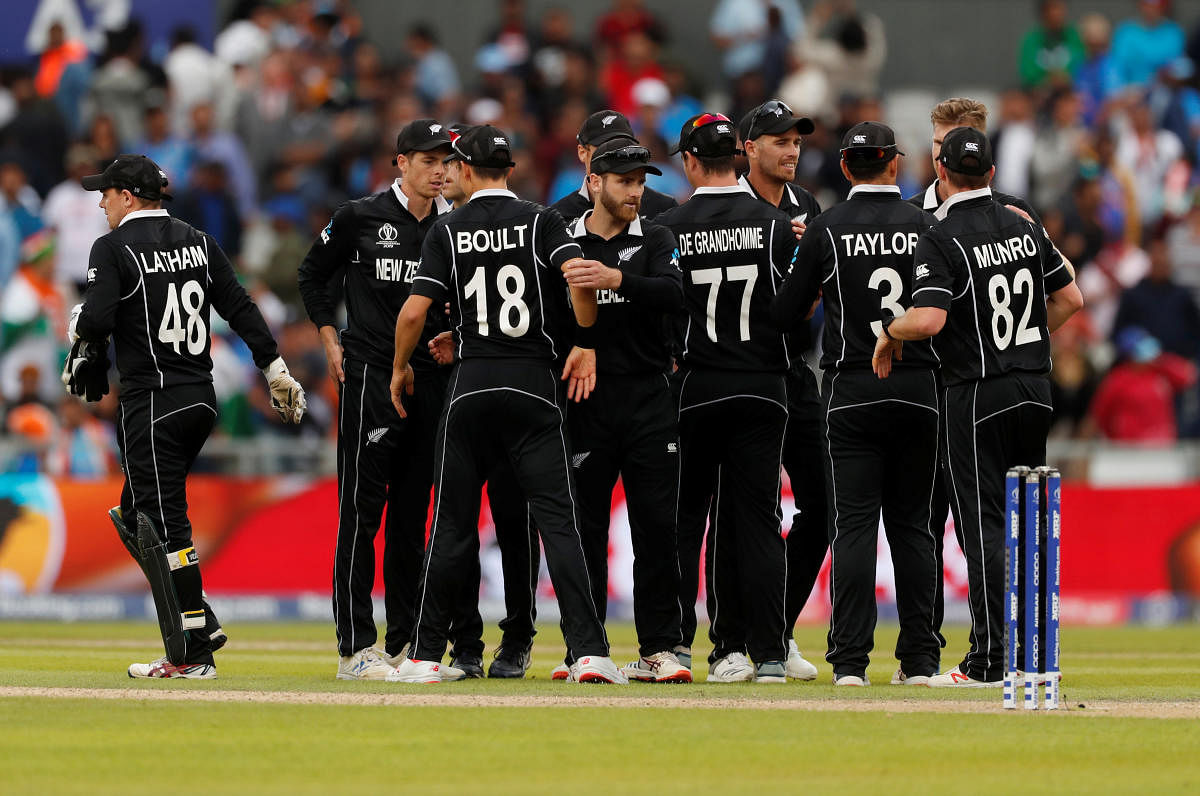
[928, 200]
[734, 251]
[991, 270]
[151, 283]
[574, 205]
[861, 253]
[632, 320]
[498, 261]
[378, 243]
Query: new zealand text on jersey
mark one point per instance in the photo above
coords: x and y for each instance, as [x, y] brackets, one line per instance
[174, 259]
[390, 269]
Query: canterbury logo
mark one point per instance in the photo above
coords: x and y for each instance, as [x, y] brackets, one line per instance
[627, 254]
[578, 458]
[922, 271]
[971, 146]
[860, 139]
[376, 435]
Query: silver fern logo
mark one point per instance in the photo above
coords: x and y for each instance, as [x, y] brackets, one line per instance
[578, 458]
[376, 435]
[625, 255]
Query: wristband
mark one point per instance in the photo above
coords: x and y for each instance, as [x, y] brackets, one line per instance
[886, 323]
[586, 336]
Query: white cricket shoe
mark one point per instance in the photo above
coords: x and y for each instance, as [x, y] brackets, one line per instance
[366, 664]
[411, 671]
[561, 672]
[397, 659]
[955, 678]
[852, 680]
[733, 668]
[597, 669]
[165, 670]
[900, 678]
[661, 667]
[797, 667]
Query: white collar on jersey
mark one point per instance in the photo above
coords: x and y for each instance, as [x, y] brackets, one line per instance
[583, 191]
[718, 190]
[491, 192]
[156, 212]
[578, 229]
[931, 200]
[439, 202]
[959, 198]
[744, 181]
[872, 188]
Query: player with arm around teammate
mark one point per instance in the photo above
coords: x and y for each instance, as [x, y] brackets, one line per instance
[989, 287]
[860, 254]
[151, 283]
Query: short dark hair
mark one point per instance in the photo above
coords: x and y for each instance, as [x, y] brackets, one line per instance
[711, 165]
[866, 169]
[490, 172]
[968, 181]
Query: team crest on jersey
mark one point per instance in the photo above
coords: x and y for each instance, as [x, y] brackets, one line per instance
[327, 232]
[921, 271]
[607, 120]
[627, 254]
[376, 434]
[387, 236]
[578, 458]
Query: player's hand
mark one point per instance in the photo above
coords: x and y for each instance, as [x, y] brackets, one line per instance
[72, 321]
[447, 309]
[592, 274]
[798, 228]
[813, 309]
[885, 349]
[402, 384]
[287, 396]
[580, 373]
[441, 348]
[333, 358]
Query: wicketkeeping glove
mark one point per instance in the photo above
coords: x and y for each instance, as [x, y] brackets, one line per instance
[287, 396]
[72, 320]
[85, 372]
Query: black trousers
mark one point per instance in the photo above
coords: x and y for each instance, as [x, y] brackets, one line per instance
[520, 561]
[160, 433]
[803, 457]
[383, 460]
[628, 428]
[991, 425]
[731, 431]
[881, 456]
[504, 410]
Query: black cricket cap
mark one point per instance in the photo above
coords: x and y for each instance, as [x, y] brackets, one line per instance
[422, 135]
[485, 146]
[621, 156]
[604, 126]
[966, 151]
[869, 142]
[708, 135]
[137, 174]
[773, 117]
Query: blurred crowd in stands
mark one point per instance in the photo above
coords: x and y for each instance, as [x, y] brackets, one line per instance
[293, 109]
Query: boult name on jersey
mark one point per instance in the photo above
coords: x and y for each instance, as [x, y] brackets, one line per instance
[709, 241]
[988, 255]
[879, 243]
[389, 269]
[490, 240]
[173, 260]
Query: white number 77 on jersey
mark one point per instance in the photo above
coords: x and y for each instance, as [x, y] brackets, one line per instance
[747, 274]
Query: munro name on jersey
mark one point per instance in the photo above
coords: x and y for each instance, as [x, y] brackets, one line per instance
[988, 255]
[172, 260]
[710, 241]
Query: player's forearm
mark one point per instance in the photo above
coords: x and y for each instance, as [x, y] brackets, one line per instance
[313, 280]
[917, 324]
[583, 302]
[1061, 305]
[408, 331]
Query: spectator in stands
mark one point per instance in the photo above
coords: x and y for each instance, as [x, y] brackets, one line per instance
[625, 17]
[71, 213]
[638, 60]
[436, 78]
[1056, 150]
[1162, 307]
[172, 153]
[549, 60]
[1081, 237]
[1051, 52]
[740, 29]
[511, 36]
[1149, 154]
[215, 145]
[195, 75]
[102, 136]
[1183, 248]
[84, 446]
[1014, 142]
[850, 46]
[1097, 79]
[60, 52]
[1144, 45]
[37, 131]
[17, 196]
[247, 39]
[209, 205]
[119, 84]
[1073, 379]
[32, 323]
[1135, 402]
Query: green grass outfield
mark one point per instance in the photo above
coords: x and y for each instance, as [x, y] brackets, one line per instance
[277, 722]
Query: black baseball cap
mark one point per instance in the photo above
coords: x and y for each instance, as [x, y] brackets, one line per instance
[422, 135]
[870, 141]
[621, 156]
[137, 174]
[966, 151]
[773, 117]
[709, 135]
[485, 146]
[604, 126]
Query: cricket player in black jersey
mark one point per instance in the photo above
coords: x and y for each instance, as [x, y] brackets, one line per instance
[734, 251]
[151, 283]
[375, 242]
[990, 288]
[601, 127]
[628, 426]
[770, 136]
[500, 262]
[861, 254]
